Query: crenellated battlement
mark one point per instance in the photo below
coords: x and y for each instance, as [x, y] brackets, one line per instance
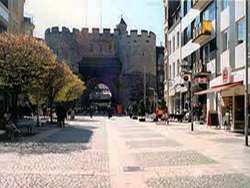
[144, 34]
[83, 31]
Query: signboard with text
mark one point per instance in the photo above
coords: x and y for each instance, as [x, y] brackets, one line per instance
[226, 75]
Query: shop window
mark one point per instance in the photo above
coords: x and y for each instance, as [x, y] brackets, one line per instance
[241, 31]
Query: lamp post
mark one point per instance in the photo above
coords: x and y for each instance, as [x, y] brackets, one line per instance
[185, 74]
[246, 79]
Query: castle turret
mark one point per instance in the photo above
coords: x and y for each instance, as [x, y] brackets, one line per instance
[122, 27]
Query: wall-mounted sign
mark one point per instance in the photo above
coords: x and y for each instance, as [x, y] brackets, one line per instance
[226, 75]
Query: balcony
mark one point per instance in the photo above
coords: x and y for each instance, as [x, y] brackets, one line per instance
[199, 69]
[202, 32]
[200, 4]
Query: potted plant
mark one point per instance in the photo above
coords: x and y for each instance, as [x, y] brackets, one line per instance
[134, 110]
[142, 111]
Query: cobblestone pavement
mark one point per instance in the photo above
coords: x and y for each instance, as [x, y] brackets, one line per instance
[76, 156]
[125, 153]
[210, 181]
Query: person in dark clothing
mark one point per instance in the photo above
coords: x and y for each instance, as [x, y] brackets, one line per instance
[91, 113]
[58, 115]
[64, 115]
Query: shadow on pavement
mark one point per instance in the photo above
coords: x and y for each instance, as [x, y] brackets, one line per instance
[67, 140]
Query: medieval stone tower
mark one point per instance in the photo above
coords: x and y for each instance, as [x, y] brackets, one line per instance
[119, 59]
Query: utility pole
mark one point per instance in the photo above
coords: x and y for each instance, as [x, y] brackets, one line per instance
[246, 79]
[144, 75]
[191, 102]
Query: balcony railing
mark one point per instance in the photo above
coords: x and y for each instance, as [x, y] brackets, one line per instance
[200, 4]
[202, 32]
[200, 69]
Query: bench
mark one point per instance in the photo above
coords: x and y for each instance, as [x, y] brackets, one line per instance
[26, 123]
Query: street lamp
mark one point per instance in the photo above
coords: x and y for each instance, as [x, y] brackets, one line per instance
[185, 74]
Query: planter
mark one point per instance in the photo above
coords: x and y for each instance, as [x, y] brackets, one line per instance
[142, 119]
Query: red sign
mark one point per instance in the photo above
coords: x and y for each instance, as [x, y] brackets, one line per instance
[226, 75]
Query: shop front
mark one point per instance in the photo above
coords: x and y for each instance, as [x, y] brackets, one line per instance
[229, 110]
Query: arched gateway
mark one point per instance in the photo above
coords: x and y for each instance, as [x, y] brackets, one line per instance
[120, 60]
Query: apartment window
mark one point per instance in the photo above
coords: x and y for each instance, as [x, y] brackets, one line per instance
[5, 3]
[209, 13]
[173, 43]
[170, 72]
[3, 28]
[225, 4]
[166, 14]
[185, 36]
[16, 5]
[206, 52]
[178, 39]
[188, 5]
[173, 70]
[170, 46]
[185, 7]
[178, 67]
[15, 27]
[241, 31]
[225, 41]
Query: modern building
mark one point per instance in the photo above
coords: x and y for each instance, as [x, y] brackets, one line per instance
[160, 71]
[12, 18]
[208, 36]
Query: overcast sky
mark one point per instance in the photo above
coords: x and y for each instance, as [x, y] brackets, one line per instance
[139, 14]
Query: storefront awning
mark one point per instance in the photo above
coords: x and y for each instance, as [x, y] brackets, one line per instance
[219, 88]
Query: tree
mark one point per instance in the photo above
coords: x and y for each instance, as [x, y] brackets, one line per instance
[72, 90]
[56, 80]
[142, 109]
[24, 63]
[134, 109]
[152, 107]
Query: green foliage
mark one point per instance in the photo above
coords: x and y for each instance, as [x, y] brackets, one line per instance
[24, 62]
[162, 105]
[142, 109]
[152, 107]
[135, 109]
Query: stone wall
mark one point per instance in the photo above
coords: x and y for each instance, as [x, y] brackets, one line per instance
[136, 51]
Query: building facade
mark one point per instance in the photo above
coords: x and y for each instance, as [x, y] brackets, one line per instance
[209, 37]
[160, 71]
[12, 18]
[124, 62]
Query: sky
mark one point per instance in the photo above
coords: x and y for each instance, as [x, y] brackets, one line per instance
[138, 14]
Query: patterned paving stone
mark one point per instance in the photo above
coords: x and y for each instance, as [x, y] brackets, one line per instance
[143, 135]
[172, 158]
[153, 143]
[227, 140]
[205, 181]
[67, 181]
[201, 133]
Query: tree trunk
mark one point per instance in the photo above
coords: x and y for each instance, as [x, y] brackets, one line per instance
[37, 122]
[51, 113]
